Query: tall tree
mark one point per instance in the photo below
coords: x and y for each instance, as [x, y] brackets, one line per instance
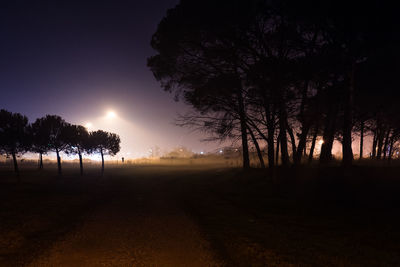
[14, 135]
[78, 142]
[197, 59]
[54, 128]
[266, 66]
[40, 140]
[104, 143]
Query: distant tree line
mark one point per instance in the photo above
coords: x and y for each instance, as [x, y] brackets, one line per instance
[283, 73]
[52, 134]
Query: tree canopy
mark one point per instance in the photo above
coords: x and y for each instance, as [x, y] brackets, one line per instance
[52, 133]
[14, 137]
[104, 143]
[277, 71]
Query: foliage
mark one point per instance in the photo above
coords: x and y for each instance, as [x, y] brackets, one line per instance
[52, 134]
[77, 139]
[14, 133]
[104, 142]
[55, 129]
[277, 69]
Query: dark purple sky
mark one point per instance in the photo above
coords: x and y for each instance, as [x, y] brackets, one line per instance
[80, 60]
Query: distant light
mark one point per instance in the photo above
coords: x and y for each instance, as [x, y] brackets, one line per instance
[320, 142]
[89, 125]
[201, 152]
[220, 151]
[111, 115]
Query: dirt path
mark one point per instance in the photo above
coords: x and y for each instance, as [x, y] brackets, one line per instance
[142, 226]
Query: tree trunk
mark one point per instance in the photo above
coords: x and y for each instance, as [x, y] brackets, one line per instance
[243, 129]
[271, 132]
[102, 162]
[348, 121]
[381, 135]
[314, 140]
[385, 146]
[361, 139]
[278, 141]
[374, 142]
[346, 145]
[329, 135]
[292, 140]
[259, 154]
[80, 162]
[15, 165]
[283, 137]
[251, 124]
[302, 143]
[40, 161]
[305, 127]
[271, 150]
[391, 149]
[58, 161]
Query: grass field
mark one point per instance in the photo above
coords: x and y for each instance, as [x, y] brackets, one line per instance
[303, 216]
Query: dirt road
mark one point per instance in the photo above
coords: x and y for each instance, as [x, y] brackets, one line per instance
[142, 225]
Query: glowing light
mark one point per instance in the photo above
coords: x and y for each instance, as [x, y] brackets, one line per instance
[201, 152]
[89, 125]
[220, 151]
[111, 115]
[320, 142]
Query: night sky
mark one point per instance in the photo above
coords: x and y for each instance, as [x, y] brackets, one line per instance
[80, 61]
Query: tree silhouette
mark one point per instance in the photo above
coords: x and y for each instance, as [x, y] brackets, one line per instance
[237, 62]
[40, 140]
[14, 135]
[104, 143]
[198, 61]
[258, 67]
[55, 129]
[78, 142]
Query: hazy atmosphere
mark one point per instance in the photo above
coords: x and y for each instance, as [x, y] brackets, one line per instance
[80, 61]
[199, 133]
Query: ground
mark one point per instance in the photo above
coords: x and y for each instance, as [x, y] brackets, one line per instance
[198, 216]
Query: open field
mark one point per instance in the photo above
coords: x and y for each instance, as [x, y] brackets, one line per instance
[197, 216]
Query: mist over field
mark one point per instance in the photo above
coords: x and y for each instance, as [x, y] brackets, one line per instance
[199, 133]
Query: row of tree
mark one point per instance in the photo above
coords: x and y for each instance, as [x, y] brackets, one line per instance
[280, 73]
[52, 134]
